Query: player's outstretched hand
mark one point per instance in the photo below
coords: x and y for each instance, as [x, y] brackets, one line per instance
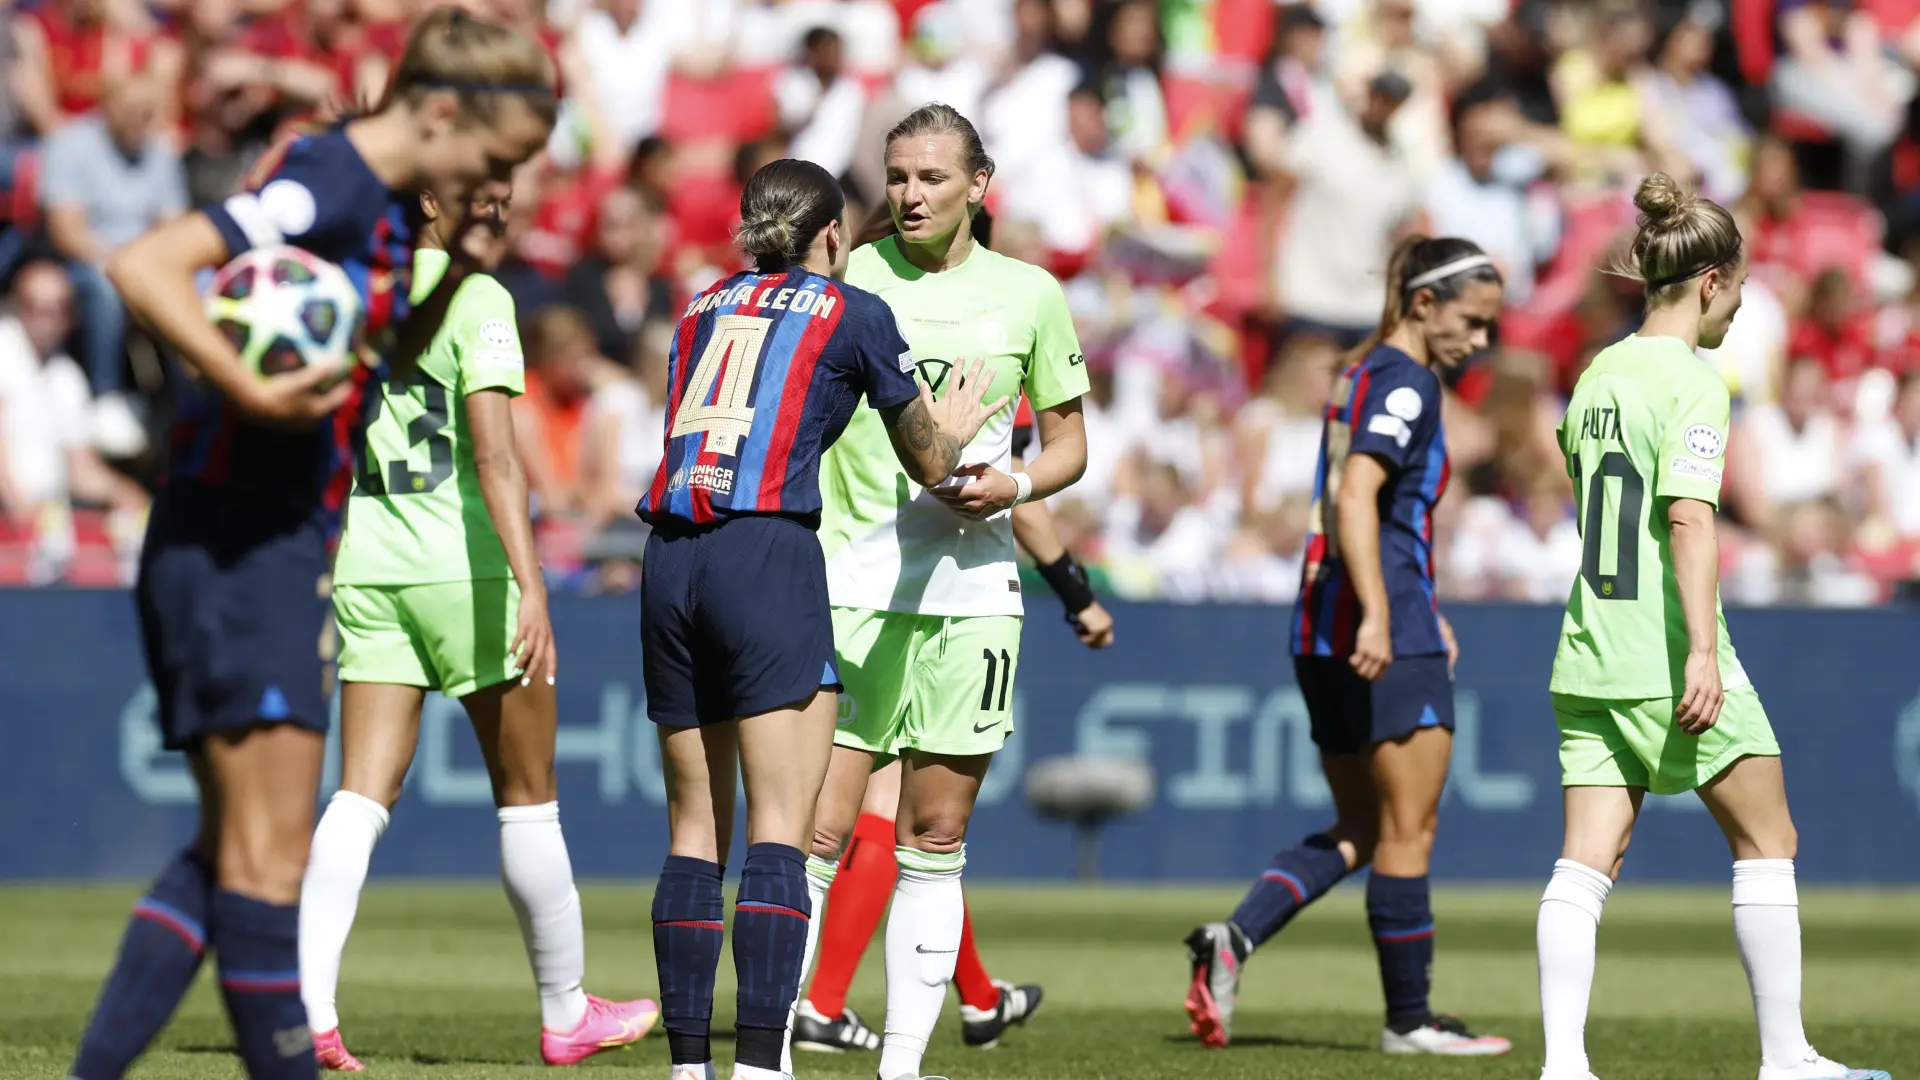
[1372, 648]
[987, 491]
[1094, 626]
[533, 651]
[1699, 707]
[299, 398]
[964, 409]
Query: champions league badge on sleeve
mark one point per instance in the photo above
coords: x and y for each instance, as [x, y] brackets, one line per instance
[1703, 441]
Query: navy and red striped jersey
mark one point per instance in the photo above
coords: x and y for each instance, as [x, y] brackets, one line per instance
[1023, 428]
[1386, 406]
[314, 192]
[765, 372]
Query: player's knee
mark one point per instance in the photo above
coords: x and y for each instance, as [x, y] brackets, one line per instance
[1779, 842]
[531, 788]
[827, 842]
[938, 835]
[1408, 829]
[386, 793]
[379, 781]
[263, 861]
[1789, 843]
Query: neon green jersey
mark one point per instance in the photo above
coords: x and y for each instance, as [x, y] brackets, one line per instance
[890, 546]
[1647, 423]
[416, 516]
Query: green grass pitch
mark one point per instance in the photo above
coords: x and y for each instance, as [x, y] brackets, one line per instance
[435, 985]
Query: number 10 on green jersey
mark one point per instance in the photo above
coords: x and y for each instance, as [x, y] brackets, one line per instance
[1647, 424]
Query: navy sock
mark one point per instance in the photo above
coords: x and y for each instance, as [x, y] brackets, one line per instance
[769, 942]
[1401, 918]
[688, 926]
[257, 945]
[159, 956]
[1299, 876]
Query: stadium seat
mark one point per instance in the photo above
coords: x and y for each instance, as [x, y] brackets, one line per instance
[1798, 127]
[1894, 17]
[1218, 99]
[20, 204]
[1590, 225]
[1753, 51]
[1236, 265]
[1243, 29]
[736, 105]
[1839, 230]
[1752, 28]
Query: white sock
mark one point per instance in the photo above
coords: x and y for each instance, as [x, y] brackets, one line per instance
[820, 874]
[923, 944]
[539, 879]
[330, 895]
[1569, 924]
[1766, 923]
[749, 1072]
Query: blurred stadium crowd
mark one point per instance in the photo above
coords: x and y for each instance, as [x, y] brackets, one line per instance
[1217, 183]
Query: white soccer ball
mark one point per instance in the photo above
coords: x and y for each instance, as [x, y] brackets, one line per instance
[284, 308]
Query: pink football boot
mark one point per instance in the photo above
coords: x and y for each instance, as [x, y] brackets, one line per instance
[607, 1025]
[332, 1054]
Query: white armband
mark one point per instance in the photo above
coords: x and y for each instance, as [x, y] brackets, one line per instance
[1022, 487]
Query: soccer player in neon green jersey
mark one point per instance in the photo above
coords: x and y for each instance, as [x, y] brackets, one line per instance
[926, 593]
[1647, 690]
[436, 587]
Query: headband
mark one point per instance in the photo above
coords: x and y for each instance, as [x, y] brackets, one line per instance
[475, 86]
[1447, 270]
[1675, 279]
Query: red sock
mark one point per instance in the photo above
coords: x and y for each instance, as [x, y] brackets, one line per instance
[970, 975]
[855, 905]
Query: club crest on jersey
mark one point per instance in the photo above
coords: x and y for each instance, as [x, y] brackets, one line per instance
[1704, 441]
[1404, 402]
[993, 336]
[289, 207]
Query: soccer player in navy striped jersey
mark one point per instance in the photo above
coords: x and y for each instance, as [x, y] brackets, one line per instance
[231, 592]
[1373, 655]
[766, 369]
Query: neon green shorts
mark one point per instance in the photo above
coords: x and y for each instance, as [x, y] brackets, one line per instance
[1608, 743]
[934, 683]
[451, 636]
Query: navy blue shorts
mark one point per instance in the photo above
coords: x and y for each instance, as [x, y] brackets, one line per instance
[1349, 714]
[733, 619]
[232, 615]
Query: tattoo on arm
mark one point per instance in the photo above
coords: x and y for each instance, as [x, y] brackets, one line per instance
[928, 443]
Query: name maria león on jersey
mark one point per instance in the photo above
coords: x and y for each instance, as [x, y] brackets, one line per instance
[719, 478]
[799, 301]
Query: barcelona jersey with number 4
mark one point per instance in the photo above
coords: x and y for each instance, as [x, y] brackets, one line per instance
[1387, 407]
[764, 373]
[1647, 424]
[417, 515]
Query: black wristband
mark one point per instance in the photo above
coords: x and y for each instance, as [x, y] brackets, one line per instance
[1068, 580]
